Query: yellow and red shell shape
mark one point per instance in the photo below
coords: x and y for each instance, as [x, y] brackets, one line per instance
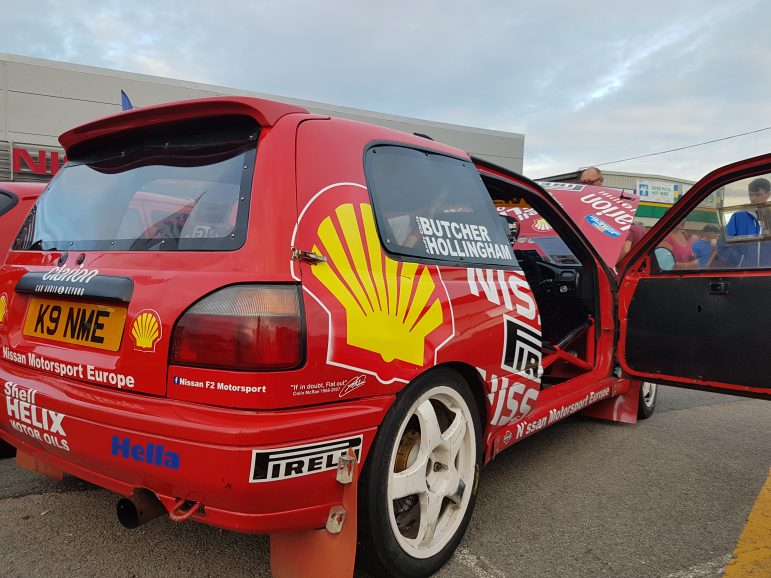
[388, 317]
[541, 225]
[3, 306]
[146, 330]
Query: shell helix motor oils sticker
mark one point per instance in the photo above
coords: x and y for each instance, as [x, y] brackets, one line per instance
[3, 306]
[387, 317]
[32, 420]
[146, 330]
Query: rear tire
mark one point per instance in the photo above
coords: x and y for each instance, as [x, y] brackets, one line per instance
[647, 402]
[418, 487]
[6, 450]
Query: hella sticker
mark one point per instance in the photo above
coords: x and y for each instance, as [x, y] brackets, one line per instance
[3, 306]
[153, 454]
[602, 226]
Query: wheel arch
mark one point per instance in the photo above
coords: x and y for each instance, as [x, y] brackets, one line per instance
[471, 376]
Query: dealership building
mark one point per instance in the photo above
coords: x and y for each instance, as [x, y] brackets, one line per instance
[40, 99]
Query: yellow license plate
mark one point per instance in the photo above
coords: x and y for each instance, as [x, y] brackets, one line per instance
[99, 326]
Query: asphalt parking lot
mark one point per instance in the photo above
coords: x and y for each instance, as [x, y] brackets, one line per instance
[665, 498]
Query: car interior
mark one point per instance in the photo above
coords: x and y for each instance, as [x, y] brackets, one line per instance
[562, 275]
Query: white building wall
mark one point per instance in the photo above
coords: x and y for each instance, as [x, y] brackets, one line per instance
[40, 99]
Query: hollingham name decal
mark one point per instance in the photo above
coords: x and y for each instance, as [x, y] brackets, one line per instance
[451, 239]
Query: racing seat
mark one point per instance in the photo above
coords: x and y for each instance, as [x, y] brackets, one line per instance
[210, 217]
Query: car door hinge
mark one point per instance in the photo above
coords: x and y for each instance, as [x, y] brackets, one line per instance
[308, 256]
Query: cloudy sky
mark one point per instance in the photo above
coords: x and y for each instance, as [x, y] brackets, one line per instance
[587, 82]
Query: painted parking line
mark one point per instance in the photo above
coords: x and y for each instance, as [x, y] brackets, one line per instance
[479, 566]
[752, 556]
[704, 570]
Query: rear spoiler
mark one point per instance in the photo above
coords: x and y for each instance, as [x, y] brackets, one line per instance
[265, 112]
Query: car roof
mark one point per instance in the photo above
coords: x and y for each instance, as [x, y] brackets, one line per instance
[23, 190]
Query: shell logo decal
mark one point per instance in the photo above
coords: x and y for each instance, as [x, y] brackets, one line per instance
[146, 330]
[542, 225]
[3, 306]
[389, 310]
[387, 317]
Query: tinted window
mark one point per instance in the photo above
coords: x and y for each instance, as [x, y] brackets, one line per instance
[7, 201]
[181, 186]
[730, 229]
[435, 207]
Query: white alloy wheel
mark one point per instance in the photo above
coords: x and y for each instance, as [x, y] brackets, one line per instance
[431, 472]
[646, 403]
[648, 393]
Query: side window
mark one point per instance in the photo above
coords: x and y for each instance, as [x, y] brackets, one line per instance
[433, 206]
[7, 201]
[730, 229]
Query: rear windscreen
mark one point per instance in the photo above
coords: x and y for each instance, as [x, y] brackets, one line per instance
[183, 186]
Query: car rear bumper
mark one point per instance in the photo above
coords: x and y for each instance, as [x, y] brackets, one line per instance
[250, 470]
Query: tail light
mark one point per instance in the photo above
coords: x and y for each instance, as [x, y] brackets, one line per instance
[242, 327]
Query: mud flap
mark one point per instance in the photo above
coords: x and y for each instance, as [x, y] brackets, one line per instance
[330, 551]
[31, 463]
[622, 408]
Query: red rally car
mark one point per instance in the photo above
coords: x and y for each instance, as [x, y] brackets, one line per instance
[216, 305]
[16, 199]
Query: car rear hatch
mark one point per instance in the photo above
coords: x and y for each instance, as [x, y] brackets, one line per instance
[149, 216]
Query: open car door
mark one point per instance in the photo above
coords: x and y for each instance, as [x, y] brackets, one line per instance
[698, 314]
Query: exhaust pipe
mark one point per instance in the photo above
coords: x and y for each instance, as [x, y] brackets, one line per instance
[139, 508]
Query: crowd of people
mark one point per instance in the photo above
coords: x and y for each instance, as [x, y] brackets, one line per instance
[744, 242]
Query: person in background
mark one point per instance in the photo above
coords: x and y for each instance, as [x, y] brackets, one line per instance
[592, 176]
[636, 232]
[679, 242]
[705, 248]
[752, 223]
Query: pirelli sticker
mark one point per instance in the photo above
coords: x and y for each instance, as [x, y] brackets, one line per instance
[282, 463]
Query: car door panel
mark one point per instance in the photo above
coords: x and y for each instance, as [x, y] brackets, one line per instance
[686, 336]
[699, 328]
